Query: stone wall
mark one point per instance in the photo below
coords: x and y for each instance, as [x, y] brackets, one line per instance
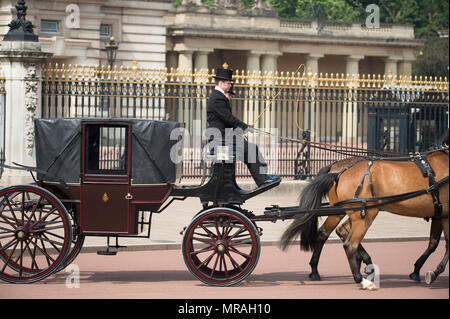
[138, 27]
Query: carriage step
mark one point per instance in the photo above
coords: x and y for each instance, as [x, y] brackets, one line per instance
[108, 252]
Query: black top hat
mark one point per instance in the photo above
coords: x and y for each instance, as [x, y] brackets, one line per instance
[224, 73]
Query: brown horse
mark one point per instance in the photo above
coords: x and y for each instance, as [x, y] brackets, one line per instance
[311, 239]
[373, 178]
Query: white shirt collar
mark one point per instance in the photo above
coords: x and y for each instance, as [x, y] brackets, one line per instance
[219, 89]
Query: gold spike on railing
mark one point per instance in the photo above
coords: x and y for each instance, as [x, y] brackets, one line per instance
[306, 78]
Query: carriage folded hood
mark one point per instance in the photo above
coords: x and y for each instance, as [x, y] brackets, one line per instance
[59, 149]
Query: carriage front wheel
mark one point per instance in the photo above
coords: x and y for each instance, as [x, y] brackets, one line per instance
[221, 246]
[35, 234]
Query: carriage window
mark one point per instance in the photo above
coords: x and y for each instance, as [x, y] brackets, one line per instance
[106, 149]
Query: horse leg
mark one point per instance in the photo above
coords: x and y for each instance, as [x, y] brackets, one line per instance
[432, 275]
[361, 255]
[354, 238]
[435, 235]
[323, 233]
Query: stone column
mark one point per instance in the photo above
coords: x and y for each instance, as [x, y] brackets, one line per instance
[21, 63]
[269, 62]
[201, 65]
[391, 64]
[352, 65]
[312, 67]
[405, 66]
[201, 59]
[312, 61]
[253, 61]
[350, 111]
[185, 60]
[185, 67]
[251, 107]
[269, 67]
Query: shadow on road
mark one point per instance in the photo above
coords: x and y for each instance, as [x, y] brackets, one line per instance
[254, 280]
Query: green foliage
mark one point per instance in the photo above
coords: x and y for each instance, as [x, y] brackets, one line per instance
[427, 17]
[335, 10]
[176, 3]
[432, 60]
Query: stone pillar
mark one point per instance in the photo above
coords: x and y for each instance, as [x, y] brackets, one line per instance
[269, 67]
[201, 59]
[185, 60]
[350, 112]
[312, 61]
[391, 64]
[253, 61]
[185, 67]
[21, 64]
[251, 107]
[269, 62]
[405, 66]
[352, 65]
[201, 65]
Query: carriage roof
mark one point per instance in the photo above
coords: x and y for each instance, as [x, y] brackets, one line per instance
[59, 148]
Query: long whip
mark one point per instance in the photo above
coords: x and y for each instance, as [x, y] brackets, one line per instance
[275, 97]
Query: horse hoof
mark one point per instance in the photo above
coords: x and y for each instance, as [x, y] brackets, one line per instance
[367, 285]
[314, 277]
[415, 277]
[430, 277]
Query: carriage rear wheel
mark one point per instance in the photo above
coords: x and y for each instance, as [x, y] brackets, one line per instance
[76, 244]
[35, 234]
[75, 248]
[221, 246]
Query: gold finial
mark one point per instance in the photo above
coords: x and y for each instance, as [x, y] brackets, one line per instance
[112, 38]
[225, 65]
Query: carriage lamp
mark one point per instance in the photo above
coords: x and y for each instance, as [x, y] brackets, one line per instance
[111, 51]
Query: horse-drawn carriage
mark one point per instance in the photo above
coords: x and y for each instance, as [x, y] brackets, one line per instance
[107, 178]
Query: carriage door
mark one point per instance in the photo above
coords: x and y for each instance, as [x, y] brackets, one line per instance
[105, 207]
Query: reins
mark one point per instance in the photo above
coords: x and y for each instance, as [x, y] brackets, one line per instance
[350, 151]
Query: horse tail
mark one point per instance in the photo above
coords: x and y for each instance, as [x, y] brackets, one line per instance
[306, 224]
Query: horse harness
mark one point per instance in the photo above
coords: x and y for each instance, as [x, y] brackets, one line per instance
[427, 171]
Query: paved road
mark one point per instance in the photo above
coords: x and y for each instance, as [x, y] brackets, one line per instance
[161, 274]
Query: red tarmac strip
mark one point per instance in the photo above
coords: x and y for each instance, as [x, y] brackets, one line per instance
[161, 274]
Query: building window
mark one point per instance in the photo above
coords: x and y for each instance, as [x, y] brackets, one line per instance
[50, 26]
[105, 30]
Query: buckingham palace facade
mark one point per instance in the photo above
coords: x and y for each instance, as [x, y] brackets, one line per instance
[194, 36]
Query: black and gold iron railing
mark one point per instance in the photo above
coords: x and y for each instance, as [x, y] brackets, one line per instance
[393, 113]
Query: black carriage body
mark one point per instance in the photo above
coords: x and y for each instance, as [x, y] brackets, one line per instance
[113, 168]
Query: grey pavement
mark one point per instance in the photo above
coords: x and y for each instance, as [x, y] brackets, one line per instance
[166, 227]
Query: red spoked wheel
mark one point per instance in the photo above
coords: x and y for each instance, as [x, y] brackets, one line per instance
[75, 249]
[76, 244]
[35, 234]
[221, 246]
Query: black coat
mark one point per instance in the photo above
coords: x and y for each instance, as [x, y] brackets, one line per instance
[219, 115]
